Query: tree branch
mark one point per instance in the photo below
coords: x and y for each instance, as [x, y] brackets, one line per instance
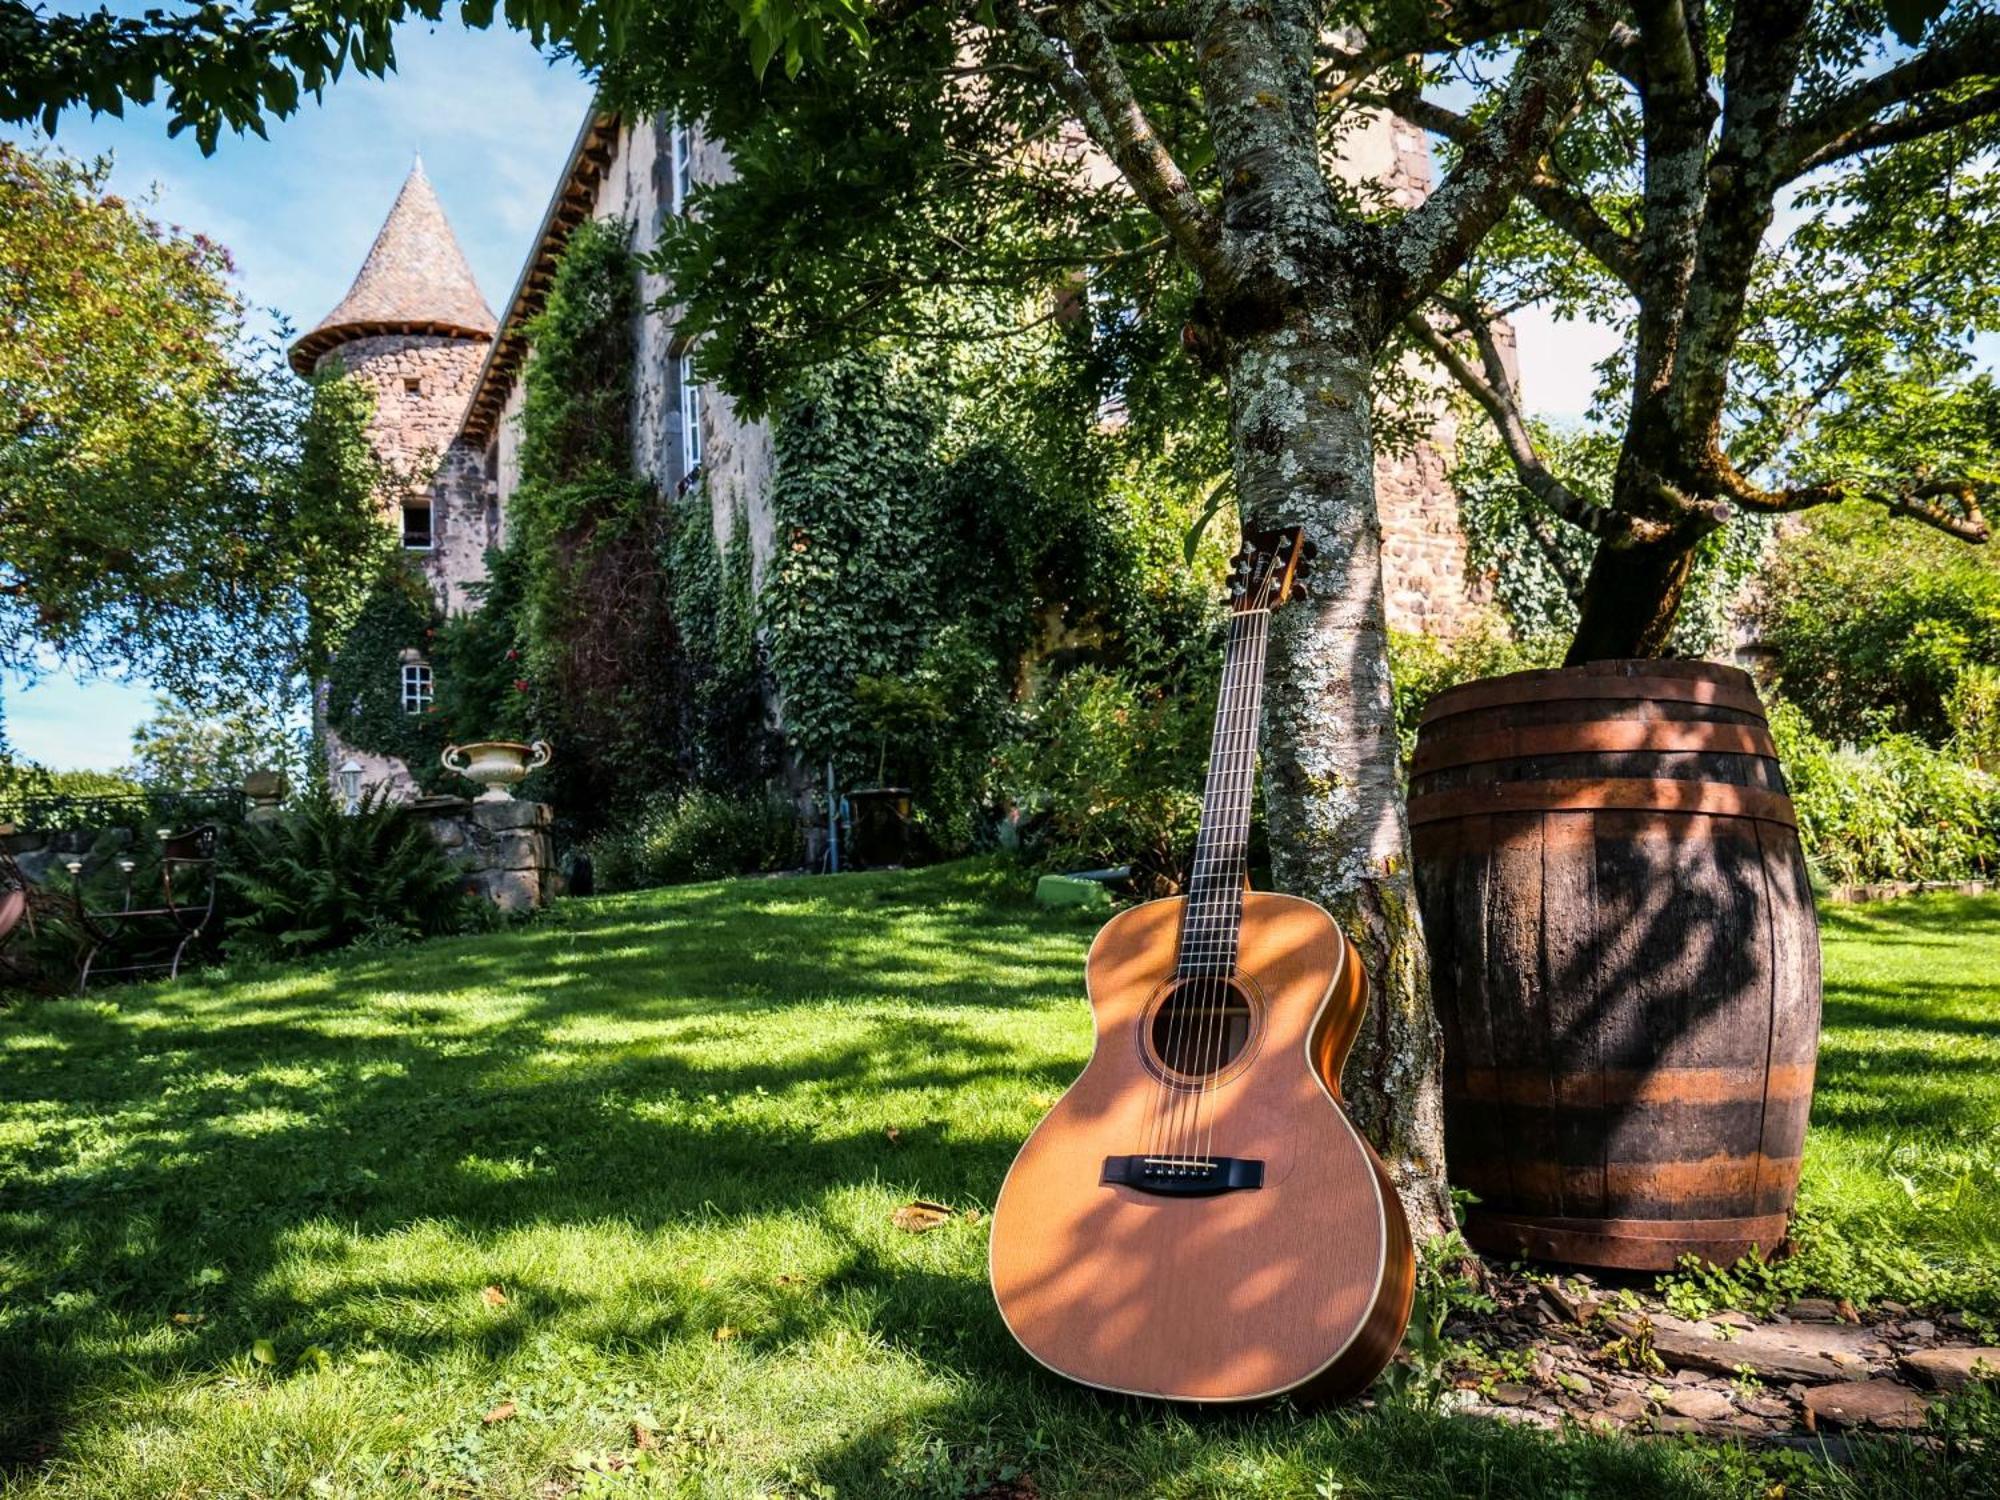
[1167, 23]
[1563, 204]
[1972, 51]
[1493, 388]
[1435, 237]
[1092, 83]
[1912, 126]
[1917, 500]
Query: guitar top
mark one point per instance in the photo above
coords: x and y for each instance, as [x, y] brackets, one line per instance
[1197, 1219]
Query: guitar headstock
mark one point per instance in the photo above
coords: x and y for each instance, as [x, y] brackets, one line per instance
[1273, 568]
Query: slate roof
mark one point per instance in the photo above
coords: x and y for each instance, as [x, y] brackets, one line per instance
[415, 280]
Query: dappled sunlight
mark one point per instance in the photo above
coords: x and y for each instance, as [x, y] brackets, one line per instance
[650, 1183]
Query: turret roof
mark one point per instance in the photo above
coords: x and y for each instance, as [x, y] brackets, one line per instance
[415, 280]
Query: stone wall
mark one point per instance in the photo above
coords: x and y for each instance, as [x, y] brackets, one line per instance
[504, 850]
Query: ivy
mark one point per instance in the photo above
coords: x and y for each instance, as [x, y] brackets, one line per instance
[364, 683]
[726, 741]
[853, 589]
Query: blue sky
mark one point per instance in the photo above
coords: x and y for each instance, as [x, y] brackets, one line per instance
[493, 121]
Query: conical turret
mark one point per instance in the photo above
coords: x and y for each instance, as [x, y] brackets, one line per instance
[415, 280]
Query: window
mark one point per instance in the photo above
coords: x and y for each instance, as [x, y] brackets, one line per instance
[417, 525]
[691, 411]
[413, 385]
[681, 142]
[416, 687]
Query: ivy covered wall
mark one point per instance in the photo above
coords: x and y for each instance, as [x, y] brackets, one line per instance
[942, 553]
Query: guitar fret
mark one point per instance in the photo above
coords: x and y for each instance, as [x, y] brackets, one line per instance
[1213, 916]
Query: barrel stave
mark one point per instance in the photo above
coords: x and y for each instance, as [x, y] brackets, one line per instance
[1627, 979]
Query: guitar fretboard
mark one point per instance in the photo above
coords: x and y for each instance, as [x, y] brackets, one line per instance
[1211, 923]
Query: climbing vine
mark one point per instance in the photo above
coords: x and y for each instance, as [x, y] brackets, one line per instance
[364, 682]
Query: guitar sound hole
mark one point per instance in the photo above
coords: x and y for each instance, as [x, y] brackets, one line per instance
[1201, 1027]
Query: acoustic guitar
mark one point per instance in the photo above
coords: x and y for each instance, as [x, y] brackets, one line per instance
[1197, 1219]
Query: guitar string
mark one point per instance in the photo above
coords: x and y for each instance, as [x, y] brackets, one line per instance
[1226, 881]
[1239, 818]
[1207, 892]
[1194, 932]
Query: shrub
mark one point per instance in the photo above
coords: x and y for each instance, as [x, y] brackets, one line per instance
[1889, 811]
[320, 878]
[699, 835]
[1876, 623]
[1422, 666]
[1108, 771]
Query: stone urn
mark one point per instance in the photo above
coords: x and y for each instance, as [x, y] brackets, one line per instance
[265, 792]
[496, 764]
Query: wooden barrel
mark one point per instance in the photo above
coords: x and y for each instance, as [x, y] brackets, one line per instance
[1625, 959]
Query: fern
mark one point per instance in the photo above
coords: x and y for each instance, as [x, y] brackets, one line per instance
[322, 878]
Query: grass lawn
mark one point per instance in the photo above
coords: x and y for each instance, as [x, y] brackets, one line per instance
[479, 1216]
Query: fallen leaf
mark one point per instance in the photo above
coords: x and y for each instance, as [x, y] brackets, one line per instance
[973, 1216]
[895, 1136]
[493, 1297]
[642, 1437]
[920, 1216]
[263, 1352]
[188, 1320]
[724, 1334]
[504, 1412]
[788, 1279]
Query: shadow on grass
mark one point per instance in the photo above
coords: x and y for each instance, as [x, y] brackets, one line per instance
[634, 1054]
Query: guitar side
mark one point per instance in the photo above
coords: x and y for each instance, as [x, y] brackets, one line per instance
[1300, 1287]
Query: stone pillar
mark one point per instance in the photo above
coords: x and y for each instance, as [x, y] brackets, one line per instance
[504, 849]
[265, 793]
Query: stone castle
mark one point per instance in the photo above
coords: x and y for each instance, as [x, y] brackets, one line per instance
[447, 377]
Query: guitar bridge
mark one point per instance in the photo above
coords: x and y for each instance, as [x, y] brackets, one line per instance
[1184, 1176]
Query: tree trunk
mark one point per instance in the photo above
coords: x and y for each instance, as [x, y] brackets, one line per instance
[1299, 416]
[1630, 599]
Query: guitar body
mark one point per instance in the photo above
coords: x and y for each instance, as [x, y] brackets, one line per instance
[1190, 1291]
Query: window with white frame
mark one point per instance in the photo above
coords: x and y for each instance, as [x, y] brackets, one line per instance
[416, 687]
[681, 143]
[691, 411]
[417, 525]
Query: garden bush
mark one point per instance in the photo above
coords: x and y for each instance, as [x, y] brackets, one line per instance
[1892, 810]
[1881, 628]
[322, 878]
[1422, 666]
[699, 835]
[1107, 770]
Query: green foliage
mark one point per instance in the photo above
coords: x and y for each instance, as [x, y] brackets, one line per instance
[178, 505]
[23, 781]
[180, 749]
[699, 835]
[589, 589]
[725, 740]
[364, 682]
[852, 590]
[483, 691]
[1106, 770]
[321, 878]
[1892, 810]
[1538, 564]
[1874, 625]
[1422, 666]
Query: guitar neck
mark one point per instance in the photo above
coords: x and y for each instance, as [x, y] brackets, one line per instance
[1213, 918]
